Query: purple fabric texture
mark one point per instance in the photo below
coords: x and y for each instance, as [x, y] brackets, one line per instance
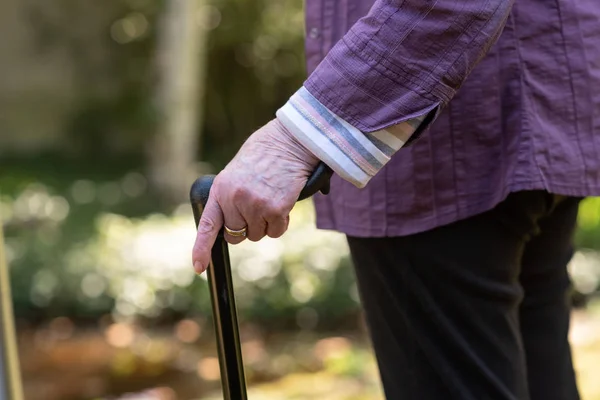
[518, 90]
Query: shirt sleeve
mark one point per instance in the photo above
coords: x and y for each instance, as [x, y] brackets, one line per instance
[354, 155]
[393, 71]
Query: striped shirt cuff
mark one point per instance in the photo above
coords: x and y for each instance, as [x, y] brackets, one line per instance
[354, 155]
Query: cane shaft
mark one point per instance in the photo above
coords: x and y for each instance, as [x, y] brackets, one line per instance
[226, 327]
[222, 299]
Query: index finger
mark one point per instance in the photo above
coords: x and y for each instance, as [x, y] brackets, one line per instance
[210, 223]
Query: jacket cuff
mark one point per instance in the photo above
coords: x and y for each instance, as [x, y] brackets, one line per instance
[354, 155]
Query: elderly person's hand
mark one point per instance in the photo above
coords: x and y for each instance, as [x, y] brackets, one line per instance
[255, 193]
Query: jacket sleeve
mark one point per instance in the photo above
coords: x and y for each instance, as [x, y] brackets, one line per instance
[389, 76]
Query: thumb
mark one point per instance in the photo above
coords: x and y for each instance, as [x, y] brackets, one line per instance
[211, 222]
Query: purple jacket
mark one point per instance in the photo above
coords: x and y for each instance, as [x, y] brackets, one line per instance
[518, 112]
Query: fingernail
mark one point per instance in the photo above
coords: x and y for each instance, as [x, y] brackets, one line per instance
[198, 267]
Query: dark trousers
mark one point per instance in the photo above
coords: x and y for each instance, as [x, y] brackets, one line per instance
[475, 310]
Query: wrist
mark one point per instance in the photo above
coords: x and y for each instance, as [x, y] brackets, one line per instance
[302, 151]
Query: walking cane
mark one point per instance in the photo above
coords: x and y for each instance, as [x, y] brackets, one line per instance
[221, 286]
[10, 374]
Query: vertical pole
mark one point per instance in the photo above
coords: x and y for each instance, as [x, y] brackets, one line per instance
[10, 374]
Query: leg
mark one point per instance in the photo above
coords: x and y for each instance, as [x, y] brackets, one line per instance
[545, 310]
[442, 306]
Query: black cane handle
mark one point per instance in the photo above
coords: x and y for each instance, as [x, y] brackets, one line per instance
[318, 181]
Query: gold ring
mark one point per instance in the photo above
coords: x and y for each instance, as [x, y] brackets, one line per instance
[241, 233]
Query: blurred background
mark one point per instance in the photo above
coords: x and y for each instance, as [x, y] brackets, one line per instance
[108, 112]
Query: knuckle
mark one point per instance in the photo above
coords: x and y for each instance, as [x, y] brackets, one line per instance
[274, 211]
[239, 194]
[261, 203]
[206, 225]
[216, 187]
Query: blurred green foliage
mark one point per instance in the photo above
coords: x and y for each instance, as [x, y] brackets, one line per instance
[90, 242]
[588, 234]
[95, 244]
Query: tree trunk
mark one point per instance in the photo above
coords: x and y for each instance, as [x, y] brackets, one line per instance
[181, 57]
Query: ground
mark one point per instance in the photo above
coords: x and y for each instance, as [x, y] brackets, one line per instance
[61, 362]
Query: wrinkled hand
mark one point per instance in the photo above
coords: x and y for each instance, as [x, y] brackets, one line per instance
[257, 190]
